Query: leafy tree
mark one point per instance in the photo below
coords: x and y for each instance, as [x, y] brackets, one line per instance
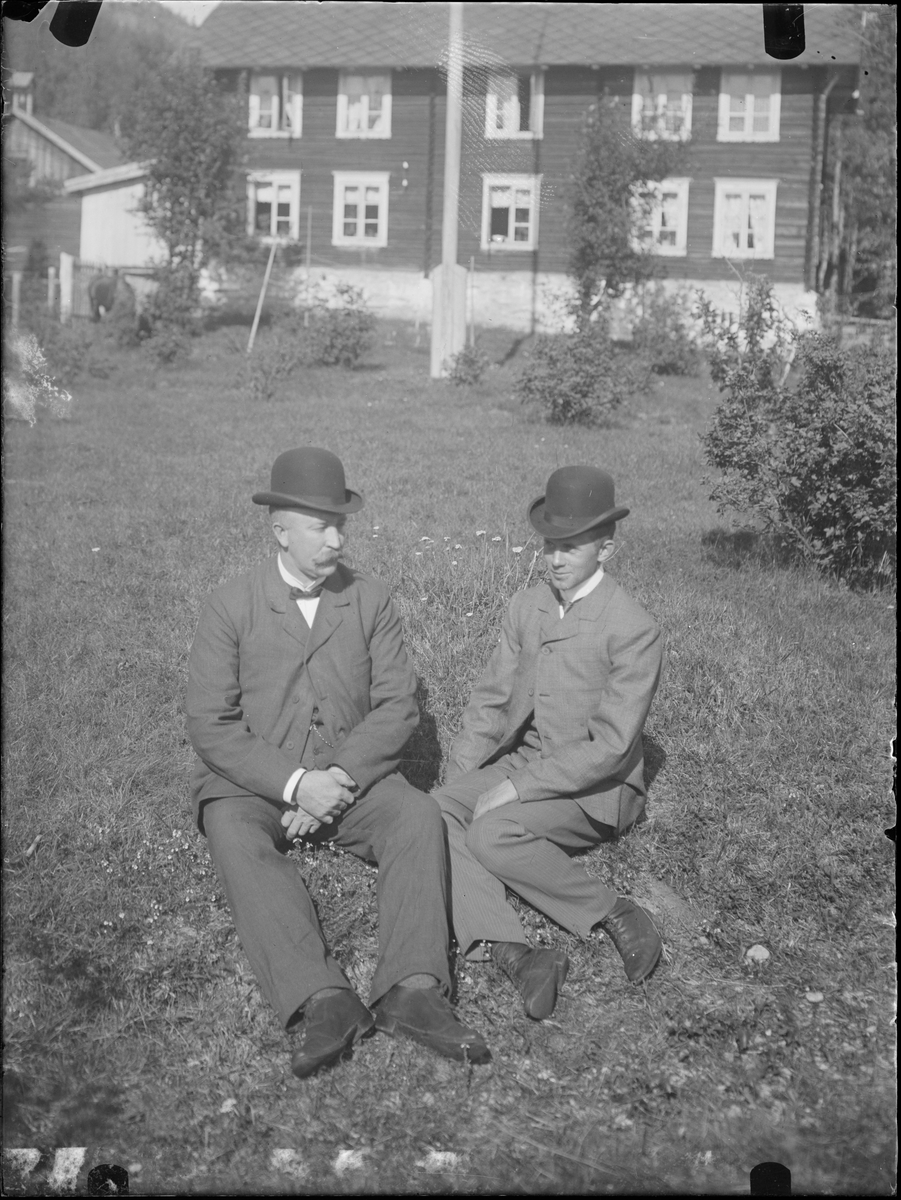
[610, 203]
[190, 133]
[859, 270]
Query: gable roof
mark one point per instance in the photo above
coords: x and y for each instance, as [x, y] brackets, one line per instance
[338, 33]
[99, 147]
[92, 149]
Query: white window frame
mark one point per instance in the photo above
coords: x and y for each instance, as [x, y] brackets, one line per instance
[729, 83]
[650, 233]
[341, 127]
[722, 187]
[533, 183]
[276, 179]
[536, 106]
[290, 95]
[362, 179]
[652, 126]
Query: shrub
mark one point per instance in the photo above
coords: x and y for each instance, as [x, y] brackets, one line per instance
[662, 333]
[274, 357]
[578, 377]
[340, 333]
[815, 462]
[467, 366]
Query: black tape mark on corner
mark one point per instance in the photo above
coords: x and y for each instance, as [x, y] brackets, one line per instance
[783, 30]
[73, 21]
[771, 1178]
[100, 1178]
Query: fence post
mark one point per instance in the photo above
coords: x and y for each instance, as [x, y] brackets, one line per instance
[17, 291]
[66, 286]
[51, 287]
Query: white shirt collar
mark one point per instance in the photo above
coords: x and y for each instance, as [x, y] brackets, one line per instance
[584, 588]
[292, 580]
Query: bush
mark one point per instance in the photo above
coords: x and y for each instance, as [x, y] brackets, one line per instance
[274, 358]
[579, 377]
[662, 334]
[340, 333]
[467, 366]
[815, 462]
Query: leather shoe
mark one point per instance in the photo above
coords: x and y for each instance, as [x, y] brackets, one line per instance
[426, 1016]
[539, 974]
[634, 935]
[330, 1027]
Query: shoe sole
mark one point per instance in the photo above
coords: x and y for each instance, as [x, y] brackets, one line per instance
[461, 1053]
[354, 1035]
[655, 964]
[561, 970]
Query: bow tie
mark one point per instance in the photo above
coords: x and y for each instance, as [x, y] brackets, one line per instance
[296, 593]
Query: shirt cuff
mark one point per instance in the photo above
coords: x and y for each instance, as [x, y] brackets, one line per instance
[291, 785]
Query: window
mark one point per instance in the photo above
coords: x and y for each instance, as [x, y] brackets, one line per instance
[665, 217]
[364, 106]
[360, 213]
[273, 204]
[744, 218]
[510, 211]
[749, 106]
[514, 104]
[275, 105]
[661, 105]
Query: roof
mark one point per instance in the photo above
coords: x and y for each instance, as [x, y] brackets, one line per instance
[94, 150]
[127, 173]
[340, 33]
[99, 147]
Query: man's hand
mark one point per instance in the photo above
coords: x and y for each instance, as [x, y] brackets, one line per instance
[319, 796]
[502, 793]
[342, 776]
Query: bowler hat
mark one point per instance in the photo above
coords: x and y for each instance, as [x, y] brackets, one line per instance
[309, 478]
[576, 499]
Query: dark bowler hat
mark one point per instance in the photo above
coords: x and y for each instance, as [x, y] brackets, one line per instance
[309, 478]
[576, 499]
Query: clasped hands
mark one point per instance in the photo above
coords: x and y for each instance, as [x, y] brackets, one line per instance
[321, 796]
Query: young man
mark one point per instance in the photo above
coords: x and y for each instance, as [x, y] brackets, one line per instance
[300, 701]
[549, 758]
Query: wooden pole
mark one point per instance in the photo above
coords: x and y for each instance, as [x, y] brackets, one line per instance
[51, 287]
[17, 291]
[306, 311]
[472, 302]
[448, 291]
[256, 315]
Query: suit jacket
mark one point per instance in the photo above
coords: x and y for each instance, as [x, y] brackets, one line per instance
[258, 674]
[567, 699]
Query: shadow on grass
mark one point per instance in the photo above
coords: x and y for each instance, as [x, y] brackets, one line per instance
[422, 757]
[654, 758]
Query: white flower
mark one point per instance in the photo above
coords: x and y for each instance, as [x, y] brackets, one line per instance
[458, 546]
[480, 532]
[497, 539]
[516, 549]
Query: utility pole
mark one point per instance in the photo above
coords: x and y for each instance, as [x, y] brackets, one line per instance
[449, 279]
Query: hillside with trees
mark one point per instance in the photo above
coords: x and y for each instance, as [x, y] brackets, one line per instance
[94, 86]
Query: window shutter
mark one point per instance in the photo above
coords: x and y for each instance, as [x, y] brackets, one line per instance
[253, 117]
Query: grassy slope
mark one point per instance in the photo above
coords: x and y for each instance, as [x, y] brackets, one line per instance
[131, 1016]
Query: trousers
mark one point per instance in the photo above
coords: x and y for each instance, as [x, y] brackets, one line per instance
[527, 848]
[393, 825]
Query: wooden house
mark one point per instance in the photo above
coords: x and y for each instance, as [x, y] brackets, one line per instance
[346, 120]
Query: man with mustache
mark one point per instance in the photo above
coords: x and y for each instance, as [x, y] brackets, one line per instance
[549, 758]
[300, 701]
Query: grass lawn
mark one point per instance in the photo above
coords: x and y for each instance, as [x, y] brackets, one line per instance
[132, 1024]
